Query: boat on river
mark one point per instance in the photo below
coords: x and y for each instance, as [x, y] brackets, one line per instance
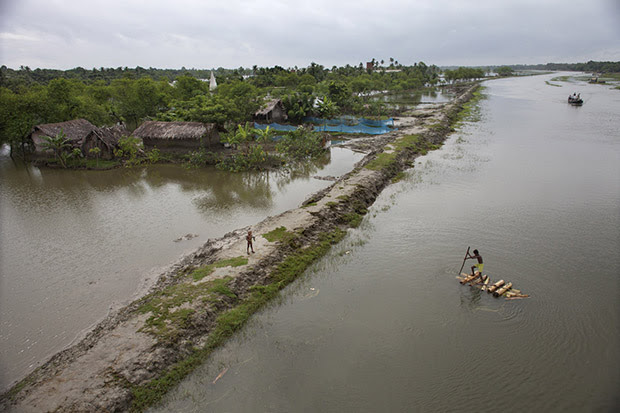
[575, 100]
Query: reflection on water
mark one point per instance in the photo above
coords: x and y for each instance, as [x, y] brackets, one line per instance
[75, 244]
[409, 100]
[533, 186]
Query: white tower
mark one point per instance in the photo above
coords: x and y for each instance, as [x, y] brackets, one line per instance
[212, 82]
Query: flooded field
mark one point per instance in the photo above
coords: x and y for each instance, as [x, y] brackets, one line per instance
[403, 101]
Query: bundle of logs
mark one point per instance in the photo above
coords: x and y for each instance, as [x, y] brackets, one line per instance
[498, 289]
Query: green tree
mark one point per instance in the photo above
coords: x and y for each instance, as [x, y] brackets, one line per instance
[298, 105]
[202, 108]
[61, 100]
[135, 100]
[19, 112]
[301, 143]
[317, 71]
[327, 108]
[129, 148]
[361, 84]
[241, 99]
[504, 71]
[340, 94]
[58, 145]
[186, 87]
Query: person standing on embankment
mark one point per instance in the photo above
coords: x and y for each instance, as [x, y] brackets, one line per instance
[249, 238]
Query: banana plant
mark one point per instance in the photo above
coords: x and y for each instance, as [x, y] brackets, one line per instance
[57, 144]
[264, 135]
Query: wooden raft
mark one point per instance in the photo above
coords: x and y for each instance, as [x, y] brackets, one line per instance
[498, 289]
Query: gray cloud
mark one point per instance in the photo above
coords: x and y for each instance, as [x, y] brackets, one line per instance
[193, 33]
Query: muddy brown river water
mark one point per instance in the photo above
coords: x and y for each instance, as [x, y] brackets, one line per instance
[381, 324]
[75, 245]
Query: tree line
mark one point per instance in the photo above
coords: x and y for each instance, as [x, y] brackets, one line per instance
[109, 96]
[590, 66]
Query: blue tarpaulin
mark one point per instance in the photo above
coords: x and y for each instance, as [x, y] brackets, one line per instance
[351, 121]
[344, 125]
[276, 126]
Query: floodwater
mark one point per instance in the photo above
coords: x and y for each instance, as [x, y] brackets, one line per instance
[78, 244]
[381, 324]
[406, 100]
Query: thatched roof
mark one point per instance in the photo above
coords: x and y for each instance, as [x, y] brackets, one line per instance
[74, 130]
[269, 107]
[173, 130]
[109, 135]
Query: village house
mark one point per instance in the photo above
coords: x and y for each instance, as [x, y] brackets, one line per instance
[75, 131]
[178, 137]
[272, 111]
[104, 138]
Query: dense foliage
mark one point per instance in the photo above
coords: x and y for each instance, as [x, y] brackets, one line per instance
[107, 96]
[463, 73]
[591, 66]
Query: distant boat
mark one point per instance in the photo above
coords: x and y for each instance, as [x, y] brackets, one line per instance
[575, 100]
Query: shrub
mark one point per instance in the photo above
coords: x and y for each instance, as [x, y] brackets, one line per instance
[301, 143]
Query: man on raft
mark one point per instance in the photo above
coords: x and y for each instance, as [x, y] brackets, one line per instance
[478, 266]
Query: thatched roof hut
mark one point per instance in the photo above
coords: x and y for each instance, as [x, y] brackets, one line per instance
[75, 132]
[177, 136]
[106, 139]
[272, 111]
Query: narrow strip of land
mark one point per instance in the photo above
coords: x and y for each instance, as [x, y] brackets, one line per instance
[134, 356]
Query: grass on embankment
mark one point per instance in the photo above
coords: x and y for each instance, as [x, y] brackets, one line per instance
[227, 322]
[167, 316]
[552, 84]
[414, 143]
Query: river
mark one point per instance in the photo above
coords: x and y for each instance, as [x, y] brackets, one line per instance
[76, 245]
[381, 324]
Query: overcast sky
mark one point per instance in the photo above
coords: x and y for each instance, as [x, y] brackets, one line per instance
[64, 34]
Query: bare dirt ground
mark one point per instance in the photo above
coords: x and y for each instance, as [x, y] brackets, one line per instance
[97, 373]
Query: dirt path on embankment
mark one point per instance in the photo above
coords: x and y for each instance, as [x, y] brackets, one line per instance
[122, 362]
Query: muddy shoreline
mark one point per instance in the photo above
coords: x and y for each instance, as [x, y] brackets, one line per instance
[122, 362]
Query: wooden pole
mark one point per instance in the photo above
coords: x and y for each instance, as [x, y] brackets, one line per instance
[464, 259]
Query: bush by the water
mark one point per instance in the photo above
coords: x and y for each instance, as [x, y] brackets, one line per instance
[301, 143]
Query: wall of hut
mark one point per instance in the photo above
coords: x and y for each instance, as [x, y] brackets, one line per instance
[273, 112]
[106, 139]
[93, 140]
[277, 114]
[180, 146]
[37, 145]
